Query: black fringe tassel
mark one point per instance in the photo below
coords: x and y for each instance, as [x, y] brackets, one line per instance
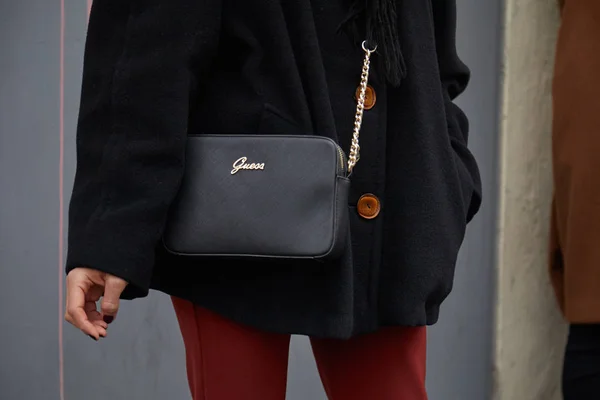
[377, 20]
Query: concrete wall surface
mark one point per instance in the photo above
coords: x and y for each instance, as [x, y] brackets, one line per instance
[530, 333]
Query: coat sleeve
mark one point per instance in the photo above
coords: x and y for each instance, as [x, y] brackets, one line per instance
[140, 62]
[454, 79]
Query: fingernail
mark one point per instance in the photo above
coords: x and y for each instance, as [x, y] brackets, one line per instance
[108, 319]
[93, 338]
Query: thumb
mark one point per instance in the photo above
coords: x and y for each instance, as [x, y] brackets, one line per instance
[113, 287]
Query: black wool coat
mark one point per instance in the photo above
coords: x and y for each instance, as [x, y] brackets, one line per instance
[156, 70]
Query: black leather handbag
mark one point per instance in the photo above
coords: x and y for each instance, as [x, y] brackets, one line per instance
[265, 196]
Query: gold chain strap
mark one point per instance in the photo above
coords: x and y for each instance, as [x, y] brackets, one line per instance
[354, 155]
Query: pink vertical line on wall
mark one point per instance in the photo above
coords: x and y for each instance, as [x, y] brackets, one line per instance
[89, 7]
[61, 228]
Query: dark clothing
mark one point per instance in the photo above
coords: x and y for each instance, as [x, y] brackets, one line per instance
[581, 373]
[156, 70]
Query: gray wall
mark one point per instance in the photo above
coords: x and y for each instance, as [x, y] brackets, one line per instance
[143, 358]
[461, 344]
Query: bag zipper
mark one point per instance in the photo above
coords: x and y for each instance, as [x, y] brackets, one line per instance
[342, 159]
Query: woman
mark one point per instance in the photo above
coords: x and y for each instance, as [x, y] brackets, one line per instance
[575, 229]
[156, 70]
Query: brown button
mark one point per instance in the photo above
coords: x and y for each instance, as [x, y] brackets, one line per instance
[368, 206]
[370, 97]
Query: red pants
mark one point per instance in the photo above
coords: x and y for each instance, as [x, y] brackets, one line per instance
[228, 361]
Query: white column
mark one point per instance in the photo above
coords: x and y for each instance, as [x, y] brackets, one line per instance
[530, 333]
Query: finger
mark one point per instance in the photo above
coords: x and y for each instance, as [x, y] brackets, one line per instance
[93, 315]
[81, 321]
[76, 314]
[90, 306]
[96, 319]
[94, 293]
[110, 301]
[99, 323]
[102, 332]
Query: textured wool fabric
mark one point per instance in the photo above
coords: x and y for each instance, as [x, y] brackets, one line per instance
[575, 228]
[157, 70]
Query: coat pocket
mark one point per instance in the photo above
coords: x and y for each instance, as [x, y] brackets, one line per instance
[469, 178]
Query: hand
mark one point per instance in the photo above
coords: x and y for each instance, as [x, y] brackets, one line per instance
[84, 288]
